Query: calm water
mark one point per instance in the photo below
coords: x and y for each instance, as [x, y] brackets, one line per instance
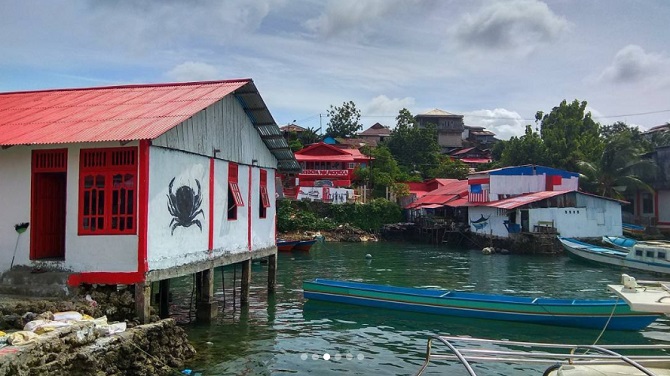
[275, 334]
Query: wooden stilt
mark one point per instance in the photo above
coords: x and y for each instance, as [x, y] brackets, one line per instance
[272, 273]
[164, 298]
[245, 283]
[143, 301]
[206, 308]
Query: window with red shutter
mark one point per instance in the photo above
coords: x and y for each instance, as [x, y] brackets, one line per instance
[108, 191]
[263, 193]
[234, 194]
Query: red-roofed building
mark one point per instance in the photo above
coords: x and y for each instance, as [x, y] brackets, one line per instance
[322, 162]
[139, 183]
[522, 199]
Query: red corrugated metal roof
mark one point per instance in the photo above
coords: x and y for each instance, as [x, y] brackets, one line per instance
[323, 158]
[117, 113]
[515, 202]
[459, 202]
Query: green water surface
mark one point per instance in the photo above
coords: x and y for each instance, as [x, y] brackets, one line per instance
[282, 334]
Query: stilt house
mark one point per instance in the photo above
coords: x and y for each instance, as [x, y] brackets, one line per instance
[133, 184]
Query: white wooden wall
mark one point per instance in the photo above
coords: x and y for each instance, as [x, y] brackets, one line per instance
[114, 253]
[224, 126]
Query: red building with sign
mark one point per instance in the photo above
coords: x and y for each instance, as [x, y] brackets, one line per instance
[324, 164]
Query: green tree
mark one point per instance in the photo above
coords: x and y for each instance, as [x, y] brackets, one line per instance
[527, 149]
[449, 169]
[309, 136]
[569, 135]
[382, 172]
[415, 149]
[620, 168]
[344, 121]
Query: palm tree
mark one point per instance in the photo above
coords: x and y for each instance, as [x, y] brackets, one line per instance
[621, 168]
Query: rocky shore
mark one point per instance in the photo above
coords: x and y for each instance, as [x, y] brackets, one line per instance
[343, 233]
[85, 348]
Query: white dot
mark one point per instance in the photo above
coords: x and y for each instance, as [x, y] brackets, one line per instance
[326, 356]
[315, 356]
[360, 356]
[338, 356]
[349, 356]
[303, 356]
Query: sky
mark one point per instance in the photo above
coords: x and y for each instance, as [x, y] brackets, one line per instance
[495, 62]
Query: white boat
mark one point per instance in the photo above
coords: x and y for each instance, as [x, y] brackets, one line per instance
[627, 244]
[552, 359]
[564, 359]
[650, 256]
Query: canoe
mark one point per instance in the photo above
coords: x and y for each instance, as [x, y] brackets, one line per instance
[304, 245]
[563, 312]
[285, 245]
[650, 256]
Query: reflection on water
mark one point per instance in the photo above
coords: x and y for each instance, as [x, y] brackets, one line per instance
[281, 333]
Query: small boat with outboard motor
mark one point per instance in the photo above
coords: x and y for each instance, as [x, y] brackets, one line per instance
[560, 359]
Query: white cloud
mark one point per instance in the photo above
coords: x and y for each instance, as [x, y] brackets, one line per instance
[193, 71]
[504, 123]
[383, 105]
[633, 64]
[516, 26]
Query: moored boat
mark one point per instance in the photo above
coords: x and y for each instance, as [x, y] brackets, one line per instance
[620, 242]
[304, 245]
[648, 256]
[613, 314]
[559, 359]
[570, 359]
[286, 245]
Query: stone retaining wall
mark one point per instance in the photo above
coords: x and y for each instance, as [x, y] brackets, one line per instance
[160, 348]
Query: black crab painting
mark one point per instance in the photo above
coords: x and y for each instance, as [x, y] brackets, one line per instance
[184, 206]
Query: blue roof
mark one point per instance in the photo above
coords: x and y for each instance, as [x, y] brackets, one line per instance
[533, 170]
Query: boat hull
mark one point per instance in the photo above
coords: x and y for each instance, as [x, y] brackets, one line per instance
[612, 256]
[285, 246]
[304, 245]
[562, 312]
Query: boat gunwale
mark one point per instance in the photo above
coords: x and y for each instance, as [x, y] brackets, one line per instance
[474, 297]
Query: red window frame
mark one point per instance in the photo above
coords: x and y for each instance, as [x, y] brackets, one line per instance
[108, 191]
[263, 193]
[235, 196]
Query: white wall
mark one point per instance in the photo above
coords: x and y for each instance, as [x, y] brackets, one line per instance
[495, 225]
[516, 184]
[189, 244]
[664, 206]
[166, 247]
[109, 253]
[15, 204]
[82, 253]
[224, 126]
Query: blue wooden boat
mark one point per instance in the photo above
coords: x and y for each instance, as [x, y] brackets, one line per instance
[563, 312]
[650, 256]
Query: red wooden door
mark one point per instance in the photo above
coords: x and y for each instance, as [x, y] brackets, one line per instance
[47, 222]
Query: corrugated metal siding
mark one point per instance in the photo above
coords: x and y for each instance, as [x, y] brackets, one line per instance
[223, 126]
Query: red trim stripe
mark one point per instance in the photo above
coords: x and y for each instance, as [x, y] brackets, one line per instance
[105, 278]
[211, 204]
[143, 208]
[479, 181]
[249, 211]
